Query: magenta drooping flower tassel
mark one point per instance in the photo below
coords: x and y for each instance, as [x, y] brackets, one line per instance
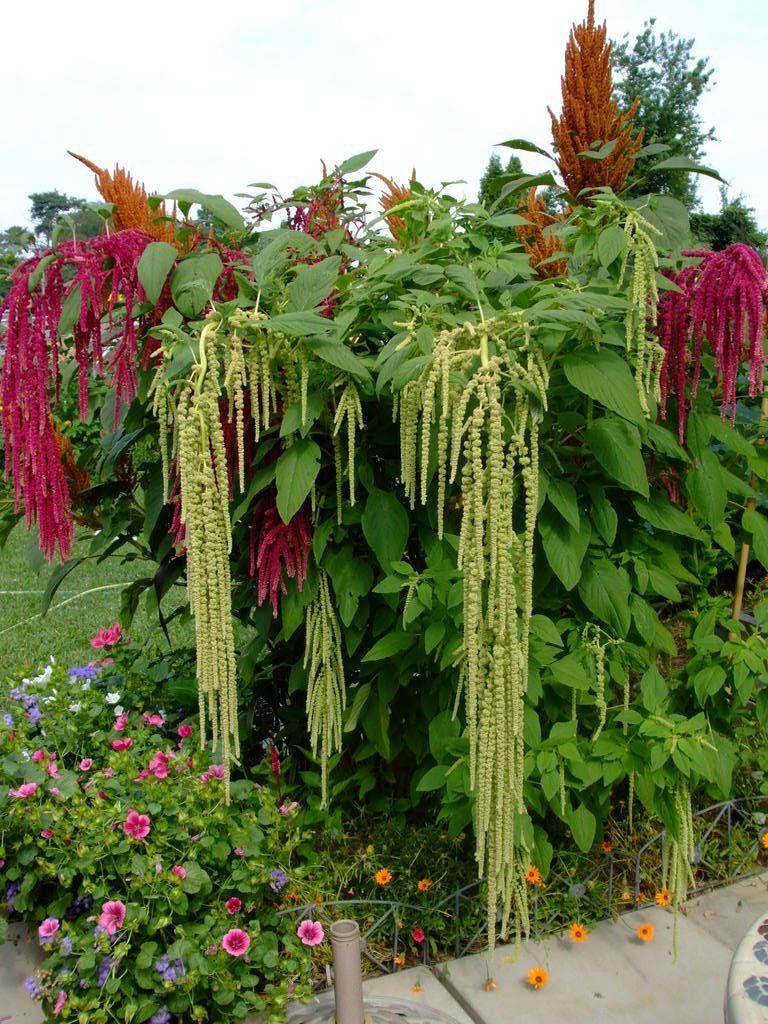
[278, 549]
[728, 308]
[105, 275]
[722, 299]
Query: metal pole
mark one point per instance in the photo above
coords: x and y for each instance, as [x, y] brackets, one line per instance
[347, 972]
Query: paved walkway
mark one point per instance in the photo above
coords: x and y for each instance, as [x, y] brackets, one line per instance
[612, 978]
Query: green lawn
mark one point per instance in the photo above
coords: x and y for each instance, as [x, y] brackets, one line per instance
[87, 599]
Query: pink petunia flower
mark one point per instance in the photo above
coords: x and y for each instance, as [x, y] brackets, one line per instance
[60, 1000]
[288, 808]
[418, 935]
[86, 764]
[47, 833]
[48, 929]
[153, 719]
[311, 933]
[158, 766]
[239, 851]
[184, 731]
[124, 744]
[108, 637]
[52, 769]
[108, 773]
[179, 871]
[120, 723]
[25, 790]
[234, 905]
[236, 942]
[38, 755]
[112, 916]
[136, 825]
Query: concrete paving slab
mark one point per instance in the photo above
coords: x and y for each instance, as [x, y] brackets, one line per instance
[729, 911]
[612, 978]
[20, 956]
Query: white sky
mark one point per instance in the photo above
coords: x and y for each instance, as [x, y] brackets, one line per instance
[218, 95]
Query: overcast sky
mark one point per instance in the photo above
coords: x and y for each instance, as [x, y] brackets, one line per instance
[218, 95]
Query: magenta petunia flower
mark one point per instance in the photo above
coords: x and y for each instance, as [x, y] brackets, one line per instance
[25, 790]
[108, 637]
[60, 1000]
[184, 731]
[311, 933]
[38, 755]
[234, 905]
[153, 719]
[48, 929]
[239, 851]
[122, 744]
[417, 935]
[288, 808]
[236, 942]
[86, 764]
[46, 833]
[112, 916]
[136, 825]
[179, 871]
[120, 723]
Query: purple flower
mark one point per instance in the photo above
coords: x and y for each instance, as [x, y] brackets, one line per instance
[8, 719]
[83, 672]
[11, 893]
[104, 968]
[65, 946]
[171, 970]
[31, 985]
[279, 879]
[81, 905]
[163, 1016]
[34, 714]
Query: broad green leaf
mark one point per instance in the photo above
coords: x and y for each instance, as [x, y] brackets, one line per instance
[544, 629]
[193, 281]
[70, 311]
[361, 694]
[154, 267]
[338, 354]
[603, 375]
[433, 635]
[611, 243]
[220, 207]
[564, 547]
[433, 779]
[526, 147]
[312, 283]
[570, 672]
[296, 471]
[663, 515]
[653, 690]
[351, 579]
[583, 825]
[392, 643]
[563, 497]
[616, 446]
[603, 515]
[358, 161]
[708, 682]
[706, 489]
[664, 441]
[682, 163]
[385, 526]
[605, 590]
[757, 524]
[505, 220]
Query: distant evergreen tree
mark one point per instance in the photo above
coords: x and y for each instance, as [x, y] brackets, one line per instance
[734, 223]
[496, 176]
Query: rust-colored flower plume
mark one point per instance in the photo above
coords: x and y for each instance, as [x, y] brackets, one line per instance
[129, 198]
[539, 239]
[395, 194]
[591, 114]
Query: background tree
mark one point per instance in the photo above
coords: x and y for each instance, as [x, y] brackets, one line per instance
[735, 222]
[664, 74]
[15, 242]
[49, 207]
[496, 176]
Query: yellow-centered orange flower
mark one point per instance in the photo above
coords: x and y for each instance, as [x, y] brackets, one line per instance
[533, 875]
[537, 977]
[578, 932]
[764, 840]
[383, 877]
[424, 885]
[662, 897]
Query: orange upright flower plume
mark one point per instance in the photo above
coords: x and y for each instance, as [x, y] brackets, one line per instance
[539, 241]
[132, 209]
[591, 114]
[396, 194]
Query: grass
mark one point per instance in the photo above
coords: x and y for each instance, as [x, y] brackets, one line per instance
[88, 599]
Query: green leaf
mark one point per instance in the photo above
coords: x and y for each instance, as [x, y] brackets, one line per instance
[433, 635]
[313, 283]
[664, 441]
[351, 579]
[653, 690]
[357, 162]
[361, 694]
[544, 629]
[154, 267]
[433, 779]
[505, 220]
[603, 375]
[583, 825]
[605, 590]
[564, 547]
[563, 497]
[757, 524]
[708, 682]
[663, 515]
[391, 643]
[337, 354]
[706, 489]
[385, 526]
[193, 281]
[296, 472]
[682, 163]
[616, 446]
[611, 243]
[220, 207]
[603, 515]
[70, 311]
[56, 578]
[526, 147]
[570, 671]
[300, 324]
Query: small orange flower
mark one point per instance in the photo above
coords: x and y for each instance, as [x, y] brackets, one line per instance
[626, 896]
[578, 932]
[319, 900]
[418, 987]
[533, 876]
[383, 877]
[662, 897]
[424, 885]
[537, 977]
[764, 840]
[645, 932]
[400, 960]
[490, 985]
[640, 898]
[606, 846]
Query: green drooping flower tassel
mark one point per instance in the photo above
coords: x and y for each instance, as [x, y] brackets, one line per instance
[326, 694]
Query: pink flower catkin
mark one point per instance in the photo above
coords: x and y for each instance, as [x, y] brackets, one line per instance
[104, 272]
[723, 299]
[278, 549]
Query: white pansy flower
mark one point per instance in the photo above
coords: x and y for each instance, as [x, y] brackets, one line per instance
[112, 698]
[119, 710]
[75, 706]
[85, 686]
